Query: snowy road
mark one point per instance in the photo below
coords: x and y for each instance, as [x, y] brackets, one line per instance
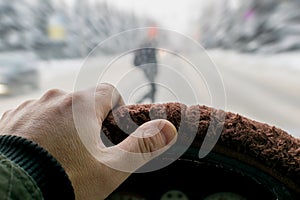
[264, 88]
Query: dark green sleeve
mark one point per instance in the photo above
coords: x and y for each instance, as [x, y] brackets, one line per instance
[15, 183]
[28, 170]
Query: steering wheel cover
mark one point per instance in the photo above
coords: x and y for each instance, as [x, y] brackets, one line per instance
[258, 149]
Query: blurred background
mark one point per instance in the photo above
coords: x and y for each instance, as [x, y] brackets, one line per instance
[255, 45]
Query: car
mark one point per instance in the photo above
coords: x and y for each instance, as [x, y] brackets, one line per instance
[18, 72]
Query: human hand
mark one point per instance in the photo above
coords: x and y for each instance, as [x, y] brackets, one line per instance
[49, 121]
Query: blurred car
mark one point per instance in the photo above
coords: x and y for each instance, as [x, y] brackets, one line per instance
[18, 72]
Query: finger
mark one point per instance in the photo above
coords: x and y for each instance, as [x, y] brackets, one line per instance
[107, 97]
[147, 142]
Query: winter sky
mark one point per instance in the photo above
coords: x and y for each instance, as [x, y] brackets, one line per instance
[171, 13]
[174, 14]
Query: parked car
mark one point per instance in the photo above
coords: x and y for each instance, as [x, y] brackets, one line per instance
[18, 72]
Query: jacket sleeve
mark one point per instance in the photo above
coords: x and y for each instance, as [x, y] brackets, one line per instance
[27, 171]
[15, 183]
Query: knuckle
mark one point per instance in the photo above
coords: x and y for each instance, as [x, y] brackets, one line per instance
[67, 101]
[77, 97]
[52, 93]
[105, 88]
[5, 114]
[64, 106]
[106, 85]
[150, 144]
[24, 104]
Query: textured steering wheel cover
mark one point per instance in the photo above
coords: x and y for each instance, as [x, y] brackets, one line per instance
[257, 144]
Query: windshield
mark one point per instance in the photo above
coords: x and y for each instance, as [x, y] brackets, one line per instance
[240, 56]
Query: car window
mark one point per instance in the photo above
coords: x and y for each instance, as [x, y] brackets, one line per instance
[253, 46]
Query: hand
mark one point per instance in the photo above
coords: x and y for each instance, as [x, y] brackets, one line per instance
[50, 122]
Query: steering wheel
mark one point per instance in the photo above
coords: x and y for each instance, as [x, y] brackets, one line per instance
[250, 160]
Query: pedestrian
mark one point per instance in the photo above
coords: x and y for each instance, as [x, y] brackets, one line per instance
[145, 57]
[43, 157]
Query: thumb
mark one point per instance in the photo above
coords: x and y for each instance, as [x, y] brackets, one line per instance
[148, 141]
[149, 138]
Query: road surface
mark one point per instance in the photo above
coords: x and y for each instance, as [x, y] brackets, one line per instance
[264, 88]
